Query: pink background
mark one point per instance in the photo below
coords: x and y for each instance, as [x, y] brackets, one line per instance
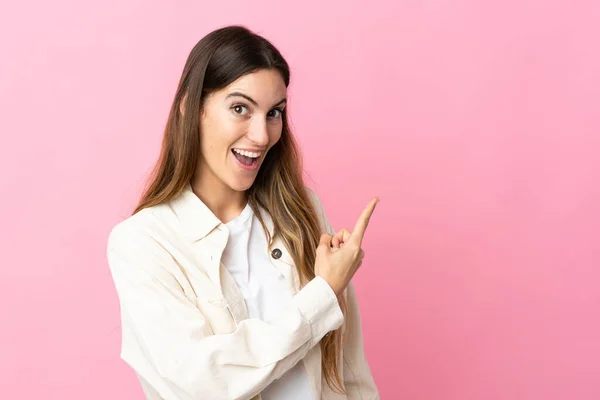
[477, 122]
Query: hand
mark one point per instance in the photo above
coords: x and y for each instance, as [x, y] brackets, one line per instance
[338, 265]
[338, 240]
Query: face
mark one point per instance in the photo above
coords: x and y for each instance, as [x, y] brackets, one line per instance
[238, 126]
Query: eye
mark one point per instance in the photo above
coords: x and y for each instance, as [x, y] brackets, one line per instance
[276, 113]
[240, 109]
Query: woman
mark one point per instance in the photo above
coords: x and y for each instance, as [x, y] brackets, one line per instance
[228, 272]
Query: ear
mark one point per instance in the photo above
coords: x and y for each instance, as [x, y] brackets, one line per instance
[182, 104]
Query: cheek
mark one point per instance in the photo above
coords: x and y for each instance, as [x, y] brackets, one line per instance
[275, 134]
[219, 134]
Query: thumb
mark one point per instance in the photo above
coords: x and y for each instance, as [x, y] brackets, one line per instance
[325, 239]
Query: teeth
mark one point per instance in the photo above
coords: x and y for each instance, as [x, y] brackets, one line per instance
[247, 153]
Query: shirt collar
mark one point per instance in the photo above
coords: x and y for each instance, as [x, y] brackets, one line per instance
[197, 219]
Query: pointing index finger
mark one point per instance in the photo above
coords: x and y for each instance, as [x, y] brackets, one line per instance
[363, 221]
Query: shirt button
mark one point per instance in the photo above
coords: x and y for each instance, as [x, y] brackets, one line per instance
[276, 254]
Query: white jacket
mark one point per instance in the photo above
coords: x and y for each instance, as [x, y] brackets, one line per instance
[185, 328]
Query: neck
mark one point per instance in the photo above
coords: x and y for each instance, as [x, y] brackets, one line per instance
[224, 202]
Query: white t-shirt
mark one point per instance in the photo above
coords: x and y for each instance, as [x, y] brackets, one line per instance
[265, 290]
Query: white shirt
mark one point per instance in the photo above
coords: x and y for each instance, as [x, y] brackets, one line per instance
[265, 291]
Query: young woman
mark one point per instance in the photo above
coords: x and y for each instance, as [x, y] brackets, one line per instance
[231, 281]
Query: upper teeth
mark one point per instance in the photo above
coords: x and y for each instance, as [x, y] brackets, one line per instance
[247, 153]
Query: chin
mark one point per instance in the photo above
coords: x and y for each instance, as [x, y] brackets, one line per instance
[242, 187]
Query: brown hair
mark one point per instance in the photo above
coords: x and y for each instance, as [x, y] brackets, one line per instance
[217, 60]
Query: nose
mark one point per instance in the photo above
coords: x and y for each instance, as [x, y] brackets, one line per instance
[259, 132]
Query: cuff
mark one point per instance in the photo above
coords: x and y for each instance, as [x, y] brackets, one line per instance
[319, 305]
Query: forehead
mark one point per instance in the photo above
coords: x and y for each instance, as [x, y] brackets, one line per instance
[264, 84]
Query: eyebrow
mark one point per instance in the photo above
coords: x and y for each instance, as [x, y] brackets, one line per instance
[251, 100]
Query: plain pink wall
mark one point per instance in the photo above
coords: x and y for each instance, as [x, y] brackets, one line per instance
[477, 122]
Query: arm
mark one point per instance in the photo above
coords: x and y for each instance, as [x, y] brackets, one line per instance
[357, 376]
[168, 335]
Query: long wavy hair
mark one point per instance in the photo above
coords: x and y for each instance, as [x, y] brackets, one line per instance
[217, 60]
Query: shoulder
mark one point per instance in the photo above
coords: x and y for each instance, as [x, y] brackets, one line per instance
[138, 257]
[129, 231]
[318, 206]
[314, 198]
[139, 236]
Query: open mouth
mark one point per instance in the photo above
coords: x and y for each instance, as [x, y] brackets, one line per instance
[246, 158]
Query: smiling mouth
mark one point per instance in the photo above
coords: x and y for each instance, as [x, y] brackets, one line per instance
[246, 160]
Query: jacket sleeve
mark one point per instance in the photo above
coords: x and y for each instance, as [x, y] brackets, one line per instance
[358, 380]
[174, 348]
